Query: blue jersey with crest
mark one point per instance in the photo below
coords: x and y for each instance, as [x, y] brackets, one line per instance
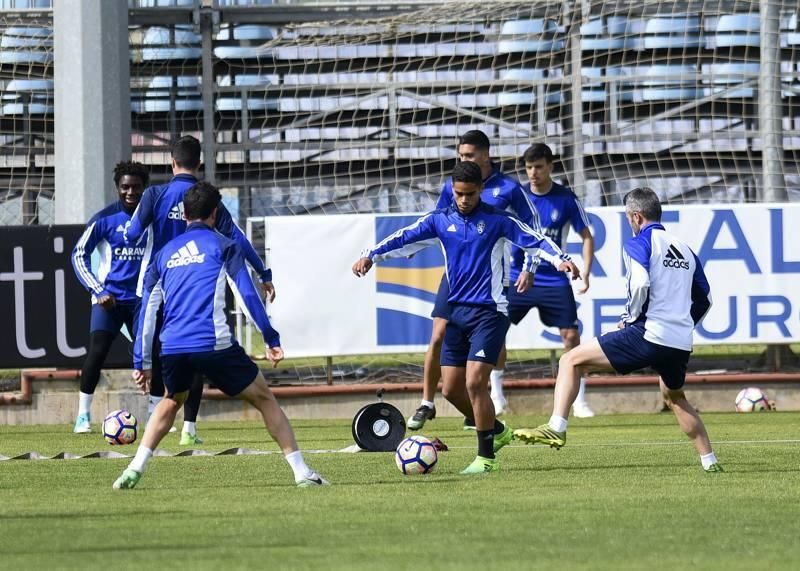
[118, 270]
[557, 210]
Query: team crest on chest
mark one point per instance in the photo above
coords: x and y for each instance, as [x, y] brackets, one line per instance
[496, 192]
[554, 215]
[481, 226]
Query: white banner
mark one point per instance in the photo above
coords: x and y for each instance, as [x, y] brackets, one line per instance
[750, 254]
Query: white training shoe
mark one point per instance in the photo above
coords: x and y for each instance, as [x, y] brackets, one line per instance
[500, 405]
[582, 410]
[311, 481]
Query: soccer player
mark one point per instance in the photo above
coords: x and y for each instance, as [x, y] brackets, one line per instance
[188, 276]
[668, 295]
[113, 286]
[558, 208]
[503, 192]
[474, 236]
[161, 210]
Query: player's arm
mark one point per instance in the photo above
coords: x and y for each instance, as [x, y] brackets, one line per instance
[82, 263]
[637, 276]
[701, 292]
[580, 223]
[152, 297]
[405, 242]
[245, 292]
[142, 217]
[537, 245]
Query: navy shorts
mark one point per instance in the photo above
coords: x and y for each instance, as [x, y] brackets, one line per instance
[441, 307]
[111, 320]
[473, 333]
[556, 305]
[231, 370]
[627, 351]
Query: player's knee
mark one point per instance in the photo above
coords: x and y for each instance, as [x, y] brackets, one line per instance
[672, 397]
[570, 338]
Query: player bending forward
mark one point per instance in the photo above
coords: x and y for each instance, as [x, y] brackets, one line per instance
[473, 236]
[668, 295]
[189, 276]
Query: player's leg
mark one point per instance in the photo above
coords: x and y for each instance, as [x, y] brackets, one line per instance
[190, 410]
[580, 408]
[496, 384]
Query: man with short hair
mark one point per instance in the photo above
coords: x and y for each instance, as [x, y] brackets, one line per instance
[668, 295]
[551, 294]
[188, 275]
[161, 210]
[474, 237]
[500, 191]
[113, 285]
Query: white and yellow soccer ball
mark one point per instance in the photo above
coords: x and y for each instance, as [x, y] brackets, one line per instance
[416, 455]
[120, 427]
[752, 399]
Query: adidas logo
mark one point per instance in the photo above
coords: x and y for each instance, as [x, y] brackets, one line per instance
[481, 353]
[188, 254]
[452, 228]
[121, 228]
[674, 259]
[176, 212]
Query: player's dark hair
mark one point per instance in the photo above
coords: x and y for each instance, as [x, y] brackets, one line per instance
[186, 152]
[131, 168]
[645, 201]
[477, 139]
[200, 201]
[537, 152]
[467, 171]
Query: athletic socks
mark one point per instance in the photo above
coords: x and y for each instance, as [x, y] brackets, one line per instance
[581, 398]
[496, 382]
[189, 428]
[708, 459]
[85, 403]
[298, 465]
[558, 423]
[428, 403]
[486, 443]
[139, 462]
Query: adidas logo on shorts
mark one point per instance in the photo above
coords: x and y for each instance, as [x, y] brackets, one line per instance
[176, 212]
[481, 353]
[188, 254]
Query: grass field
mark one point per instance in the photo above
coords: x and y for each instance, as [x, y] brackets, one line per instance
[626, 492]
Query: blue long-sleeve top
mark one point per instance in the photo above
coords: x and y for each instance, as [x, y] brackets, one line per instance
[188, 275]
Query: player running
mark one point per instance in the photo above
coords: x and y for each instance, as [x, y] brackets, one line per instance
[668, 295]
[113, 285]
[503, 192]
[473, 236]
[188, 276]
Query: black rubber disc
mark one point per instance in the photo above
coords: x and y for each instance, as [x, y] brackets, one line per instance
[379, 427]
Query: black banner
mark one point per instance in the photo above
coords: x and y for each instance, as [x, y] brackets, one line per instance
[44, 310]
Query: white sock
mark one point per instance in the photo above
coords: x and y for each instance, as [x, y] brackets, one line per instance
[189, 427]
[707, 460]
[139, 462]
[428, 403]
[558, 423]
[84, 403]
[298, 465]
[580, 400]
[496, 380]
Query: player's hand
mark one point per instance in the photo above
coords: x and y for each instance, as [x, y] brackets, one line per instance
[621, 325]
[362, 266]
[570, 267]
[142, 379]
[275, 354]
[585, 287]
[269, 291]
[524, 282]
[106, 301]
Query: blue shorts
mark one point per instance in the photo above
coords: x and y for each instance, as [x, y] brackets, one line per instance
[231, 370]
[627, 351]
[441, 307]
[113, 319]
[556, 305]
[473, 333]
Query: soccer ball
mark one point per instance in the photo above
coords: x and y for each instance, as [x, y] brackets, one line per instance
[752, 400]
[120, 427]
[416, 455]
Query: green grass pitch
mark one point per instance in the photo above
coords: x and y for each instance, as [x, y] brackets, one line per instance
[627, 492]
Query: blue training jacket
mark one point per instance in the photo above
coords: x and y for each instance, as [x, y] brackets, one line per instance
[473, 247]
[161, 209]
[189, 275]
[119, 266]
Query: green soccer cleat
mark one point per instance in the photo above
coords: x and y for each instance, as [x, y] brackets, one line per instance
[715, 467]
[190, 439]
[542, 435]
[82, 424]
[481, 465]
[503, 438]
[422, 414]
[128, 480]
[469, 424]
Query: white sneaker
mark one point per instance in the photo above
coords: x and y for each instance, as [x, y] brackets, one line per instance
[582, 410]
[311, 481]
[500, 405]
